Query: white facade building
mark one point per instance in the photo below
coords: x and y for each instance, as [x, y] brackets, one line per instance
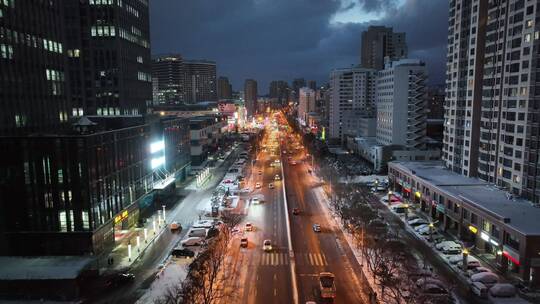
[402, 104]
[352, 90]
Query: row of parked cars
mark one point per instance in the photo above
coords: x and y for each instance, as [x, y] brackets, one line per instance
[482, 281]
[197, 235]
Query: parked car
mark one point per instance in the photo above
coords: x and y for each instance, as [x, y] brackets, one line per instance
[452, 249]
[504, 293]
[120, 279]
[441, 245]
[316, 227]
[267, 245]
[192, 241]
[487, 278]
[435, 238]
[182, 253]
[244, 242]
[203, 224]
[198, 232]
[476, 270]
[471, 264]
[478, 289]
[421, 227]
[417, 222]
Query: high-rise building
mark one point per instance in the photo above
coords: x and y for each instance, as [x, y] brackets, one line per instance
[250, 96]
[279, 90]
[492, 122]
[379, 42]
[168, 79]
[312, 84]
[108, 50]
[33, 96]
[200, 80]
[296, 85]
[401, 104]
[224, 88]
[306, 104]
[352, 95]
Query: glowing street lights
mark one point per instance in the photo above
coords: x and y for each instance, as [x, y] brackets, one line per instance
[164, 217]
[431, 226]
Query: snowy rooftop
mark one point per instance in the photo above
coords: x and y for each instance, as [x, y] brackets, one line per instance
[42, 268]
[518, 214]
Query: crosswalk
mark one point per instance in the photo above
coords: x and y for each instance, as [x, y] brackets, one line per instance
[279, 259]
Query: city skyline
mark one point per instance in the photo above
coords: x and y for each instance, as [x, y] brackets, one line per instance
[332, 39]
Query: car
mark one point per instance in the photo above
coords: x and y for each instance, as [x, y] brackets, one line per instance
[276, 161]
[487, 278]
[421, 227]
[457, 259]
[120, 279]
[244, 242]
[293, 162]
[316, 227]
[417, 222]
[435, 238]
[296, 211]
[277, 177]
[476, 270]
[182, 253]
[175, 226]
[452, 249]
[471, 264]
[267, 245]
[203, 224]
[192, 241]
[260, 172]
[248, 227]
[258, 185]
[441, 245]
[271, 185]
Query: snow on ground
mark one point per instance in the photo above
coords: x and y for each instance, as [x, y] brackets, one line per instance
[173, 274]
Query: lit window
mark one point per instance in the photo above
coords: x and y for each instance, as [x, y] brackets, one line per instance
[528, 38]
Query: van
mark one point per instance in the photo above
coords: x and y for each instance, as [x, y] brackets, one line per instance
[479, 289]
[199, 232]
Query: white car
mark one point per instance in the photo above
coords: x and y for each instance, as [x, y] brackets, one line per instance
[417, 222]
[441, 245]
[255, 201]
[249, 227]
[421, 227]
[277, 177]
[271, 186]
[203, 224]
[267, 245]
[258, 185]
[192, 241]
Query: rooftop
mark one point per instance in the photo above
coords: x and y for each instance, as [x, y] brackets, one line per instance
[42, 268]
[519, 214]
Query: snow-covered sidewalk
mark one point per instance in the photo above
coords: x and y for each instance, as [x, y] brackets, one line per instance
[166, 281]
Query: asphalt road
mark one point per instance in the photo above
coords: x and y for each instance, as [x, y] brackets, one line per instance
[261, 277]
[318, 252]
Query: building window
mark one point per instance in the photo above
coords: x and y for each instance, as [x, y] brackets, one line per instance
[139, 59]
[6, 51]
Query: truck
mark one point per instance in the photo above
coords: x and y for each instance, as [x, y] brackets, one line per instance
[327, 285]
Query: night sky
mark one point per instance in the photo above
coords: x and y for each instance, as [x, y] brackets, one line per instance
[285, 39]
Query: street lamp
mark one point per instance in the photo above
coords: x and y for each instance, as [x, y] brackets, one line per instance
[431, 231]
[138, 243]
[145, 235]
[465, 253]
[406, 212]
[164, 218]
[129, 252]
[390, 197]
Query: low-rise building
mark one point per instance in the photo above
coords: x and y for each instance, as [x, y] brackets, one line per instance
[499, 227]
[205, 136]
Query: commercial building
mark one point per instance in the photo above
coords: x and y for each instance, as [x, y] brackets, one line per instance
[306, 104]
[312, 84]
[206, 133]
[494, 224]
[33, 73]
[296, 85]
[77, 189]
[168, 77]
[250, 96]
[200, 76]
[379, 42]
[224, 88]
[492, 122]
[108, 51]
[352, 95]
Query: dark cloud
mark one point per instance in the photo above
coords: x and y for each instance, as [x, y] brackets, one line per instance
[284, 39]
[377, 5]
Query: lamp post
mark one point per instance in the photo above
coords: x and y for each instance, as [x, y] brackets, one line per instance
[406, 212]
[465, 253]
[138, 243]
[145, 235]
[164, 217]
[129, 252]
[154, 225]
[431, 231]
[390, 197]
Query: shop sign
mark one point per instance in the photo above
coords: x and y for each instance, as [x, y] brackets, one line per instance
[473, 229]
[121, 217]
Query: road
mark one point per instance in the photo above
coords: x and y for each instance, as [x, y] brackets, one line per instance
[260, 277]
